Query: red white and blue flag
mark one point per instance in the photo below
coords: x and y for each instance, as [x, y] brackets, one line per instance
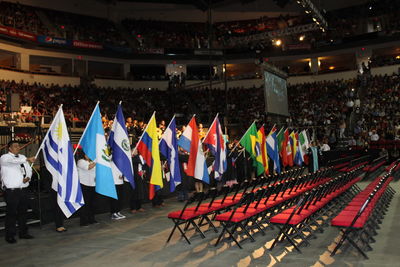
[215, 142]
[191, 143]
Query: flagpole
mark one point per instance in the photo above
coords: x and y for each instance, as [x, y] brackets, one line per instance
[233, 149]
[167, 128]
[41, 145]
[91, 116]
[216, 116]
[272, 129]
[140, 139]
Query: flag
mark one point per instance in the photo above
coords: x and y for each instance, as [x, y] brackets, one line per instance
[214, 140]
[280, 137]
[190, 141]
[59, 160]
[264, 155]
[272, 148]
[287, 150]
[298, 156]
[169, 149]
[293, 145]
[120, 147]
[93, 143]
[149, 150]
[252, 145]
[304, 145]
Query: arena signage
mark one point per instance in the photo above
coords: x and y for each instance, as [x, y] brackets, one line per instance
[52, 40]
[89, 45]
[17, 33]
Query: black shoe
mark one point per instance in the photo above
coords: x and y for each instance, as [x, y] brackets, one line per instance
[26, 236]
[84, 224]
[11, 240]
[94, 222]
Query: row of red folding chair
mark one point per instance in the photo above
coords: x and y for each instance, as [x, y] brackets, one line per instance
[394, 169]
[200, 211]
[313, 210]
[255, 208]
[375, 167]
[361, 217]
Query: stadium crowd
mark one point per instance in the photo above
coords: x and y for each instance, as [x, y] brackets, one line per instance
[370, 17]
[328, 104]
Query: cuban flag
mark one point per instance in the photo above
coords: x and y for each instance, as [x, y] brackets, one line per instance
[190, 141]
[169, 149]
[93, 143]
[121, 148]
[59, 160]
[215, 142]
[272, 149]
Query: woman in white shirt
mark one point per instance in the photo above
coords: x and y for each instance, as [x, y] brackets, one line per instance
[87, 178]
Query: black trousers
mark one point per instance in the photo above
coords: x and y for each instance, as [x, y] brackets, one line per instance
[16, 210]
[88, 210]
[116, 204]
[57, 212]
[135, 204]
[157, 200]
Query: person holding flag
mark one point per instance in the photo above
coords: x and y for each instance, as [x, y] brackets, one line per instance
[59, 160]
[87, 178]
[121, 161]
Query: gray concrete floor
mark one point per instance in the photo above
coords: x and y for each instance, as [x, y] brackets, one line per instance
[140, 239]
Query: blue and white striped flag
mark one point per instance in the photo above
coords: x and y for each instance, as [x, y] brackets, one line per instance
[169, 149]
[59, 160]
[94, 145]
[120, 147]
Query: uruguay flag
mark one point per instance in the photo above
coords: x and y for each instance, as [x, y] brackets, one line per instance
[215, 142]
[120, 147]
[59, 160]
[94, 145]
[190, 141]
[169, 149]
[272, 149]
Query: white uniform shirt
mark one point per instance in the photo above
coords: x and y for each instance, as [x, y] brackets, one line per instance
[117, 175]
[13, 170]
[87, 177]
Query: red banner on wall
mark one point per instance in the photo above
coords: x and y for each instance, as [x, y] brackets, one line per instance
[17, 33]
[89, 45]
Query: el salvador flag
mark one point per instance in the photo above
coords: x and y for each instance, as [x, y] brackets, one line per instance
[120, 147]
[169, 149]
[59, 160]
[94, 145]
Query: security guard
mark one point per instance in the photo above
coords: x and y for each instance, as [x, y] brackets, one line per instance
[15, 176]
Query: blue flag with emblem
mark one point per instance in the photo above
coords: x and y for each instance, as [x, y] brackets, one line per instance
[120, 147]
[94, 145]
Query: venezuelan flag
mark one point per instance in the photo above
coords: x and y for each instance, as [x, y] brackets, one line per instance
[149, 150]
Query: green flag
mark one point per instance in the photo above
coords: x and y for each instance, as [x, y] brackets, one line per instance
[280, 137]
[252, 144]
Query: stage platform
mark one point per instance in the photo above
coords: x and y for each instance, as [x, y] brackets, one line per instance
[139, 240]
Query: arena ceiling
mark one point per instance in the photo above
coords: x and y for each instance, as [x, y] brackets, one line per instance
[254, 5]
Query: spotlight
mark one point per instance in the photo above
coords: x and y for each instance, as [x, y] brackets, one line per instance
[301, 38]
[278, 42]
